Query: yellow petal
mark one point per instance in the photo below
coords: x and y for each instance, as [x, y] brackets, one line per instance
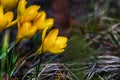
[51, 38]
[25, 35]
[39, 20]
[56, 51]
[26, 26]
[52, 34]
[4, 3]
[9, 4]
[5, 19]
[61, 42]
[57, 47]
[48, 23]
[23, 30]
[9, 16]
[32, 10]
[30, 13]
[41, 15]
[1, 11]
[21, 7]
[3, 22]
[31, 32]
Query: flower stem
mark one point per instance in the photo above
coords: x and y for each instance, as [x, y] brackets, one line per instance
[13, 23]
[38, 65]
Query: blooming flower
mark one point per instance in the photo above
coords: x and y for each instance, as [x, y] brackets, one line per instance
[52, 42]
[8, 4]
[26, 31]
[27, 14]
[41, 22]
[5, 19]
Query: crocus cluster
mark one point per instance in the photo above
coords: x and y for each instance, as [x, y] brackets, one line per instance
[30, 21]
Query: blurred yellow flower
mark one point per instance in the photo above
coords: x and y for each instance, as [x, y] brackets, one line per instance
[26, 31]
[21, 7]
[8, 4]
[5, 19]
[52, 42]
[27, 14]
[41, 22]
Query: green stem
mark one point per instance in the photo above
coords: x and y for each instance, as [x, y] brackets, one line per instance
[4, 53]
[38, 65]
[11, 59]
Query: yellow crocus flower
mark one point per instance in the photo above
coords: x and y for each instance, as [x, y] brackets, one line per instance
[27, 14]
[52, 42]
[5, 19]
[8, 4]
[41, 22]
[26, 31]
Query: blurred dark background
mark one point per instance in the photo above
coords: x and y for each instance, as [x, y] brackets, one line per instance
[76, 12]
